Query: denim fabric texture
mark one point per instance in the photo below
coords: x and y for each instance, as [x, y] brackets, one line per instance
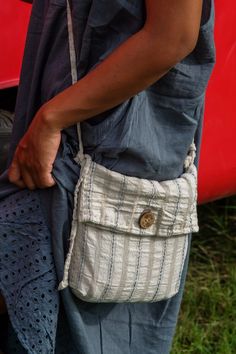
[147, 136]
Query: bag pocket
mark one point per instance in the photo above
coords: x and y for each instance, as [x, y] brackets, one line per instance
[132, 236]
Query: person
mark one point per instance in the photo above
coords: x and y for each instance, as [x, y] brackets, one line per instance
[143, 68]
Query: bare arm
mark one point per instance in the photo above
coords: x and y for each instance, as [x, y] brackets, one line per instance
[170, 33]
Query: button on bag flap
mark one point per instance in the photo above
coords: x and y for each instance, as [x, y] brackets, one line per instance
[129, 236]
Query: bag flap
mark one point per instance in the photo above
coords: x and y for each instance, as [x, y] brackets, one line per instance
[138, 206]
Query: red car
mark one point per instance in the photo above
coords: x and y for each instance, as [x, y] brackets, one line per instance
[217, 170]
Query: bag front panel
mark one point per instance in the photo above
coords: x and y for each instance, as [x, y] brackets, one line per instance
[110, 267]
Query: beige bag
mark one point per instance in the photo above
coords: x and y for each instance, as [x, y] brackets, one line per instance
[129, 235]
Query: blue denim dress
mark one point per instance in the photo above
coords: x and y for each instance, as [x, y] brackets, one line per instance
[147, 136]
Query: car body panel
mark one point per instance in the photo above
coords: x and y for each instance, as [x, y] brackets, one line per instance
[14, 18]
[217, 169]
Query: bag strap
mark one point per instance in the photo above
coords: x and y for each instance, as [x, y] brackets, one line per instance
[80, 156]
[189, 161]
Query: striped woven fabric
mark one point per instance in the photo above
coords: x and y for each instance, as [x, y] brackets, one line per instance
[112, 258]
[116, 201]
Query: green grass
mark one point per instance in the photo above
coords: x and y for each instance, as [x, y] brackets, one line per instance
[207, 321]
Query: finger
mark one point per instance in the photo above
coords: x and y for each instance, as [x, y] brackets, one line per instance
[34, 176]
[14, 171]
[46, 180]
[28, 179]
[21, 184]
[42, 178]
[14, 174]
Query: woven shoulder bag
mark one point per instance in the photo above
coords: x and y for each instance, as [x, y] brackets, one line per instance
[129, 236]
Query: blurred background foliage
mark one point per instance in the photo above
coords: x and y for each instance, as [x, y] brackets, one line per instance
[207, 321]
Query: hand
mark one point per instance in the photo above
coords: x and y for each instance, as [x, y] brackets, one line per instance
[34, 157]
